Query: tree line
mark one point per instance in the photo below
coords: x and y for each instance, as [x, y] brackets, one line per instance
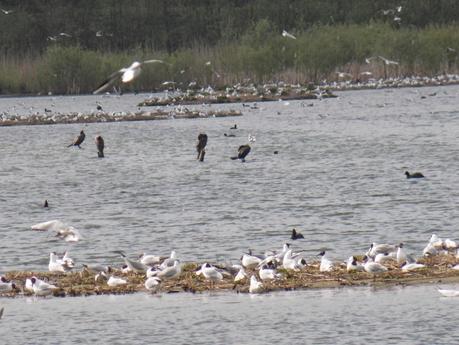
[70, 46]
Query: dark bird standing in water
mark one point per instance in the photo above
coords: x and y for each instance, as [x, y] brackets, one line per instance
[78, 140]
[242, 152]
[200, 147]
[296, 235]
[414, 175]
[100, 146]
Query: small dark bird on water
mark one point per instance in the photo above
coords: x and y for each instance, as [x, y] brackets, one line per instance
[100, 146]
[229, 135]
[99, 107]
[242, 152]
[234, 127]
[46, 204]
[296, 235]
[78, 140]
[200, 147]
[414, 175]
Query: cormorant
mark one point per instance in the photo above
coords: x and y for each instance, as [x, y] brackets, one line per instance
[78, 140]
[200, 147]
[100, 146]
[242, 152]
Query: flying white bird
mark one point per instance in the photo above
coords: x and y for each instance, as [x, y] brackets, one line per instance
[126, 74]
[286, 34]
[7, 11]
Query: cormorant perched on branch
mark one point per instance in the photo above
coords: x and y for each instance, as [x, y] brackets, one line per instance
[100, 146]
[200, 147]
[78, 140]
[242, 152]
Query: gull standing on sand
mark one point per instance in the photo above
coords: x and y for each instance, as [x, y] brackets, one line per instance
[125, 74]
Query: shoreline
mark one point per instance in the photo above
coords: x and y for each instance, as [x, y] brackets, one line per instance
[73, 284]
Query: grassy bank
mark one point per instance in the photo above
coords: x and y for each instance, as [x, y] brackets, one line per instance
[261, 55]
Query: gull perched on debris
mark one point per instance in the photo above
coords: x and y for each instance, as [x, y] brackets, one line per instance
[126, 74]
[286, 34]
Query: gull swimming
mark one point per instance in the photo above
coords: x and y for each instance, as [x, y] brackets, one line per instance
[125, 74]
[286, 34]
[449, 293]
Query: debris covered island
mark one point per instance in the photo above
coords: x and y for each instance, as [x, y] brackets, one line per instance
[253, 275]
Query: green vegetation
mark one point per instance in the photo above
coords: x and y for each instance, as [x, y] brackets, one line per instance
[241, 39]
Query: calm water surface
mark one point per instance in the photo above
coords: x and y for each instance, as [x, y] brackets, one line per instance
[338, 178]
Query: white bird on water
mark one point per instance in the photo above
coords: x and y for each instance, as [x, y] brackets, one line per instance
[125, 74]
[286, 34]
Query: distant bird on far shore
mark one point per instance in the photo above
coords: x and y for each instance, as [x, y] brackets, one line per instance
[414, 175]
[78, 140]
[100, 146]
[296, 235]
[242, 152]
[125, 74]
[286, 34]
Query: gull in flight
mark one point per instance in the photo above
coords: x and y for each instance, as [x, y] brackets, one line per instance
[126, 74]
[63, 231]
[7, 11]
[387, 61]
[286, 34]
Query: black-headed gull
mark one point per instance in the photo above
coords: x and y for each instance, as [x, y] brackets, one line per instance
[125, 74]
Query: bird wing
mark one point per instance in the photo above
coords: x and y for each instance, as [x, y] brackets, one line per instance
[153, 61]
[109, 81]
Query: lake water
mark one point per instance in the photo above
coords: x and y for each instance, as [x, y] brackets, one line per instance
[338, 178]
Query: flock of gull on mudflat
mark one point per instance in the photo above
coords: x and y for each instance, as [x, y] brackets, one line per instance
[252, 269]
